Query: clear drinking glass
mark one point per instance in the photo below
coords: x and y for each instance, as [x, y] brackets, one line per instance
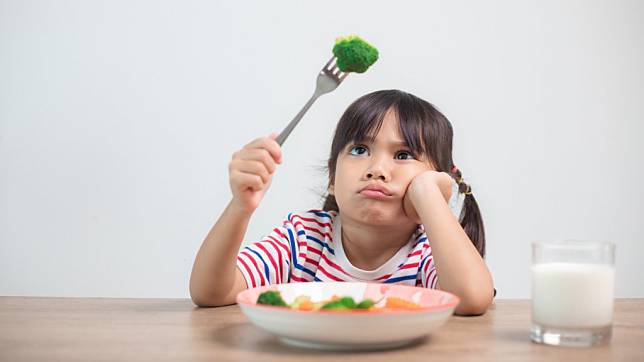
[573, 286]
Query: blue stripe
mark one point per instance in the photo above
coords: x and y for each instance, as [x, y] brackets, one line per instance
[294, 253]
[322, 214]
[398, 279]
[420, 268]
[322, 243]
[423, 238]
[265, 265]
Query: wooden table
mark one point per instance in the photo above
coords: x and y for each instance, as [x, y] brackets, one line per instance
[84, 329]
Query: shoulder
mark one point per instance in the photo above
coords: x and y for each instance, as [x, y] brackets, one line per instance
[316, 223]
[320, 218]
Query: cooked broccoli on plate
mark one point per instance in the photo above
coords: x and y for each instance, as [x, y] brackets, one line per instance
[335, 303]
[342, 303]
[354, 54]
[272, 297]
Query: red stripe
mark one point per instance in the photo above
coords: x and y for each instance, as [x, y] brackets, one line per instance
[431, 275]
[322, 224]
[278, 232]
[384, 277]
[248, 271]
[317, 231]
[311, 261]
[270, 257]
[414, 253]
[298, 279]
[336, 267]
[261, 276]
[279, 255]
[314, 251]
[331, 276]
[277, 245]
[281, 245]
[309, 247]
[409, 266]
[427, 262]
[434, 280]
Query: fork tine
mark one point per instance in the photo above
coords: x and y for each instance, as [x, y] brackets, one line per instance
[343, 75]
[330, 62]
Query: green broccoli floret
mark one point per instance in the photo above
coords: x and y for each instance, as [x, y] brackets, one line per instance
[271, 297]
[365, 304]
[342, 303]
[354, 54]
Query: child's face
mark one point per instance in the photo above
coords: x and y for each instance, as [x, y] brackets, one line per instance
[371, 178]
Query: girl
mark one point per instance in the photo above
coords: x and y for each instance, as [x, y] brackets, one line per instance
[397, 211]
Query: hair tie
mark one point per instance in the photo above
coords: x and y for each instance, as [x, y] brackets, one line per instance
[454, 169]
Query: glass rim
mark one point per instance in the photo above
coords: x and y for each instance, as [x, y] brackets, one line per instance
[574, 244]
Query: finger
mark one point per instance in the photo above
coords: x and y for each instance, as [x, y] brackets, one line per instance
[270, 145]
[245, 181]
[261, 155]
[253, 167]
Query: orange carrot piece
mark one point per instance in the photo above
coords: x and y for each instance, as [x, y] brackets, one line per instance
[306, 305]
[394, 302]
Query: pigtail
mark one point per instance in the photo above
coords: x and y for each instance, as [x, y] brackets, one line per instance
[472, 221]
[330, 204]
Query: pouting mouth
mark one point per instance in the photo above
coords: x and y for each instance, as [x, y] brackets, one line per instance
[376, 189]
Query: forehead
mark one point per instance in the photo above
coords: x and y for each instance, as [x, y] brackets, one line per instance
[386, 131]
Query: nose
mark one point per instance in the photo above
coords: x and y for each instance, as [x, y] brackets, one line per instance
[376, 175]
[377, 171]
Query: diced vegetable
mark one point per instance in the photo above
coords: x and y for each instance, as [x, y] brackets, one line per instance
[393, 302]
[272, 297]
[342, 303]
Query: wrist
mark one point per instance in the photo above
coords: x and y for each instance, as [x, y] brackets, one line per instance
[427, 197]
[239, 209]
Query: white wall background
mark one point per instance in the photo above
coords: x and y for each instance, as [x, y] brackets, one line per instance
[118, 119]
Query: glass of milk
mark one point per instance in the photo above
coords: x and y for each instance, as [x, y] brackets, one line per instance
[573, 286]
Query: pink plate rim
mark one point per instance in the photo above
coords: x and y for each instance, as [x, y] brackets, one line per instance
[242, 300]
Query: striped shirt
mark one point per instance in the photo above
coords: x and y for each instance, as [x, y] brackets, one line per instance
[307, 247]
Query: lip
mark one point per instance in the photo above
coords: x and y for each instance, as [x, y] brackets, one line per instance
[376, 192]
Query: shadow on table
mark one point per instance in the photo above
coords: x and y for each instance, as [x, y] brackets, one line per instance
[246, 337]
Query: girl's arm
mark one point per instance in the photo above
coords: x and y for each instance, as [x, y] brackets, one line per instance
[461, 269]
[215, 278]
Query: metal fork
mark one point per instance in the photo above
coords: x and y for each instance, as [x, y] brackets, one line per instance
[329, 79]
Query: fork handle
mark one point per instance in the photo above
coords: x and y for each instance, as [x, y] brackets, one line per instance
[287, 131]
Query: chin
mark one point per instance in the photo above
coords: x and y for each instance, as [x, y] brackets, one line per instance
[379, 216]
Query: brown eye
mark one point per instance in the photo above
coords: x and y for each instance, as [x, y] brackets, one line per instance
[358, 150]
[404, 155]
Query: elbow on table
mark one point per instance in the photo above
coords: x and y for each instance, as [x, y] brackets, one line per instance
[474, 303]
[203, 300]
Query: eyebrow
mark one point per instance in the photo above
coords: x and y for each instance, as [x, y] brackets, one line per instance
[395, 143]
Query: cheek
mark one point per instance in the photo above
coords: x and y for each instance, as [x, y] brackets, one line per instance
[407, 175]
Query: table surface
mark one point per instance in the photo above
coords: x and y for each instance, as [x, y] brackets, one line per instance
[82, 329]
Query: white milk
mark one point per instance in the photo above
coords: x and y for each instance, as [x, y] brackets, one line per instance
[572, 294]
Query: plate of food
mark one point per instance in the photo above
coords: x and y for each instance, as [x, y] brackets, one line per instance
[347, 316]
